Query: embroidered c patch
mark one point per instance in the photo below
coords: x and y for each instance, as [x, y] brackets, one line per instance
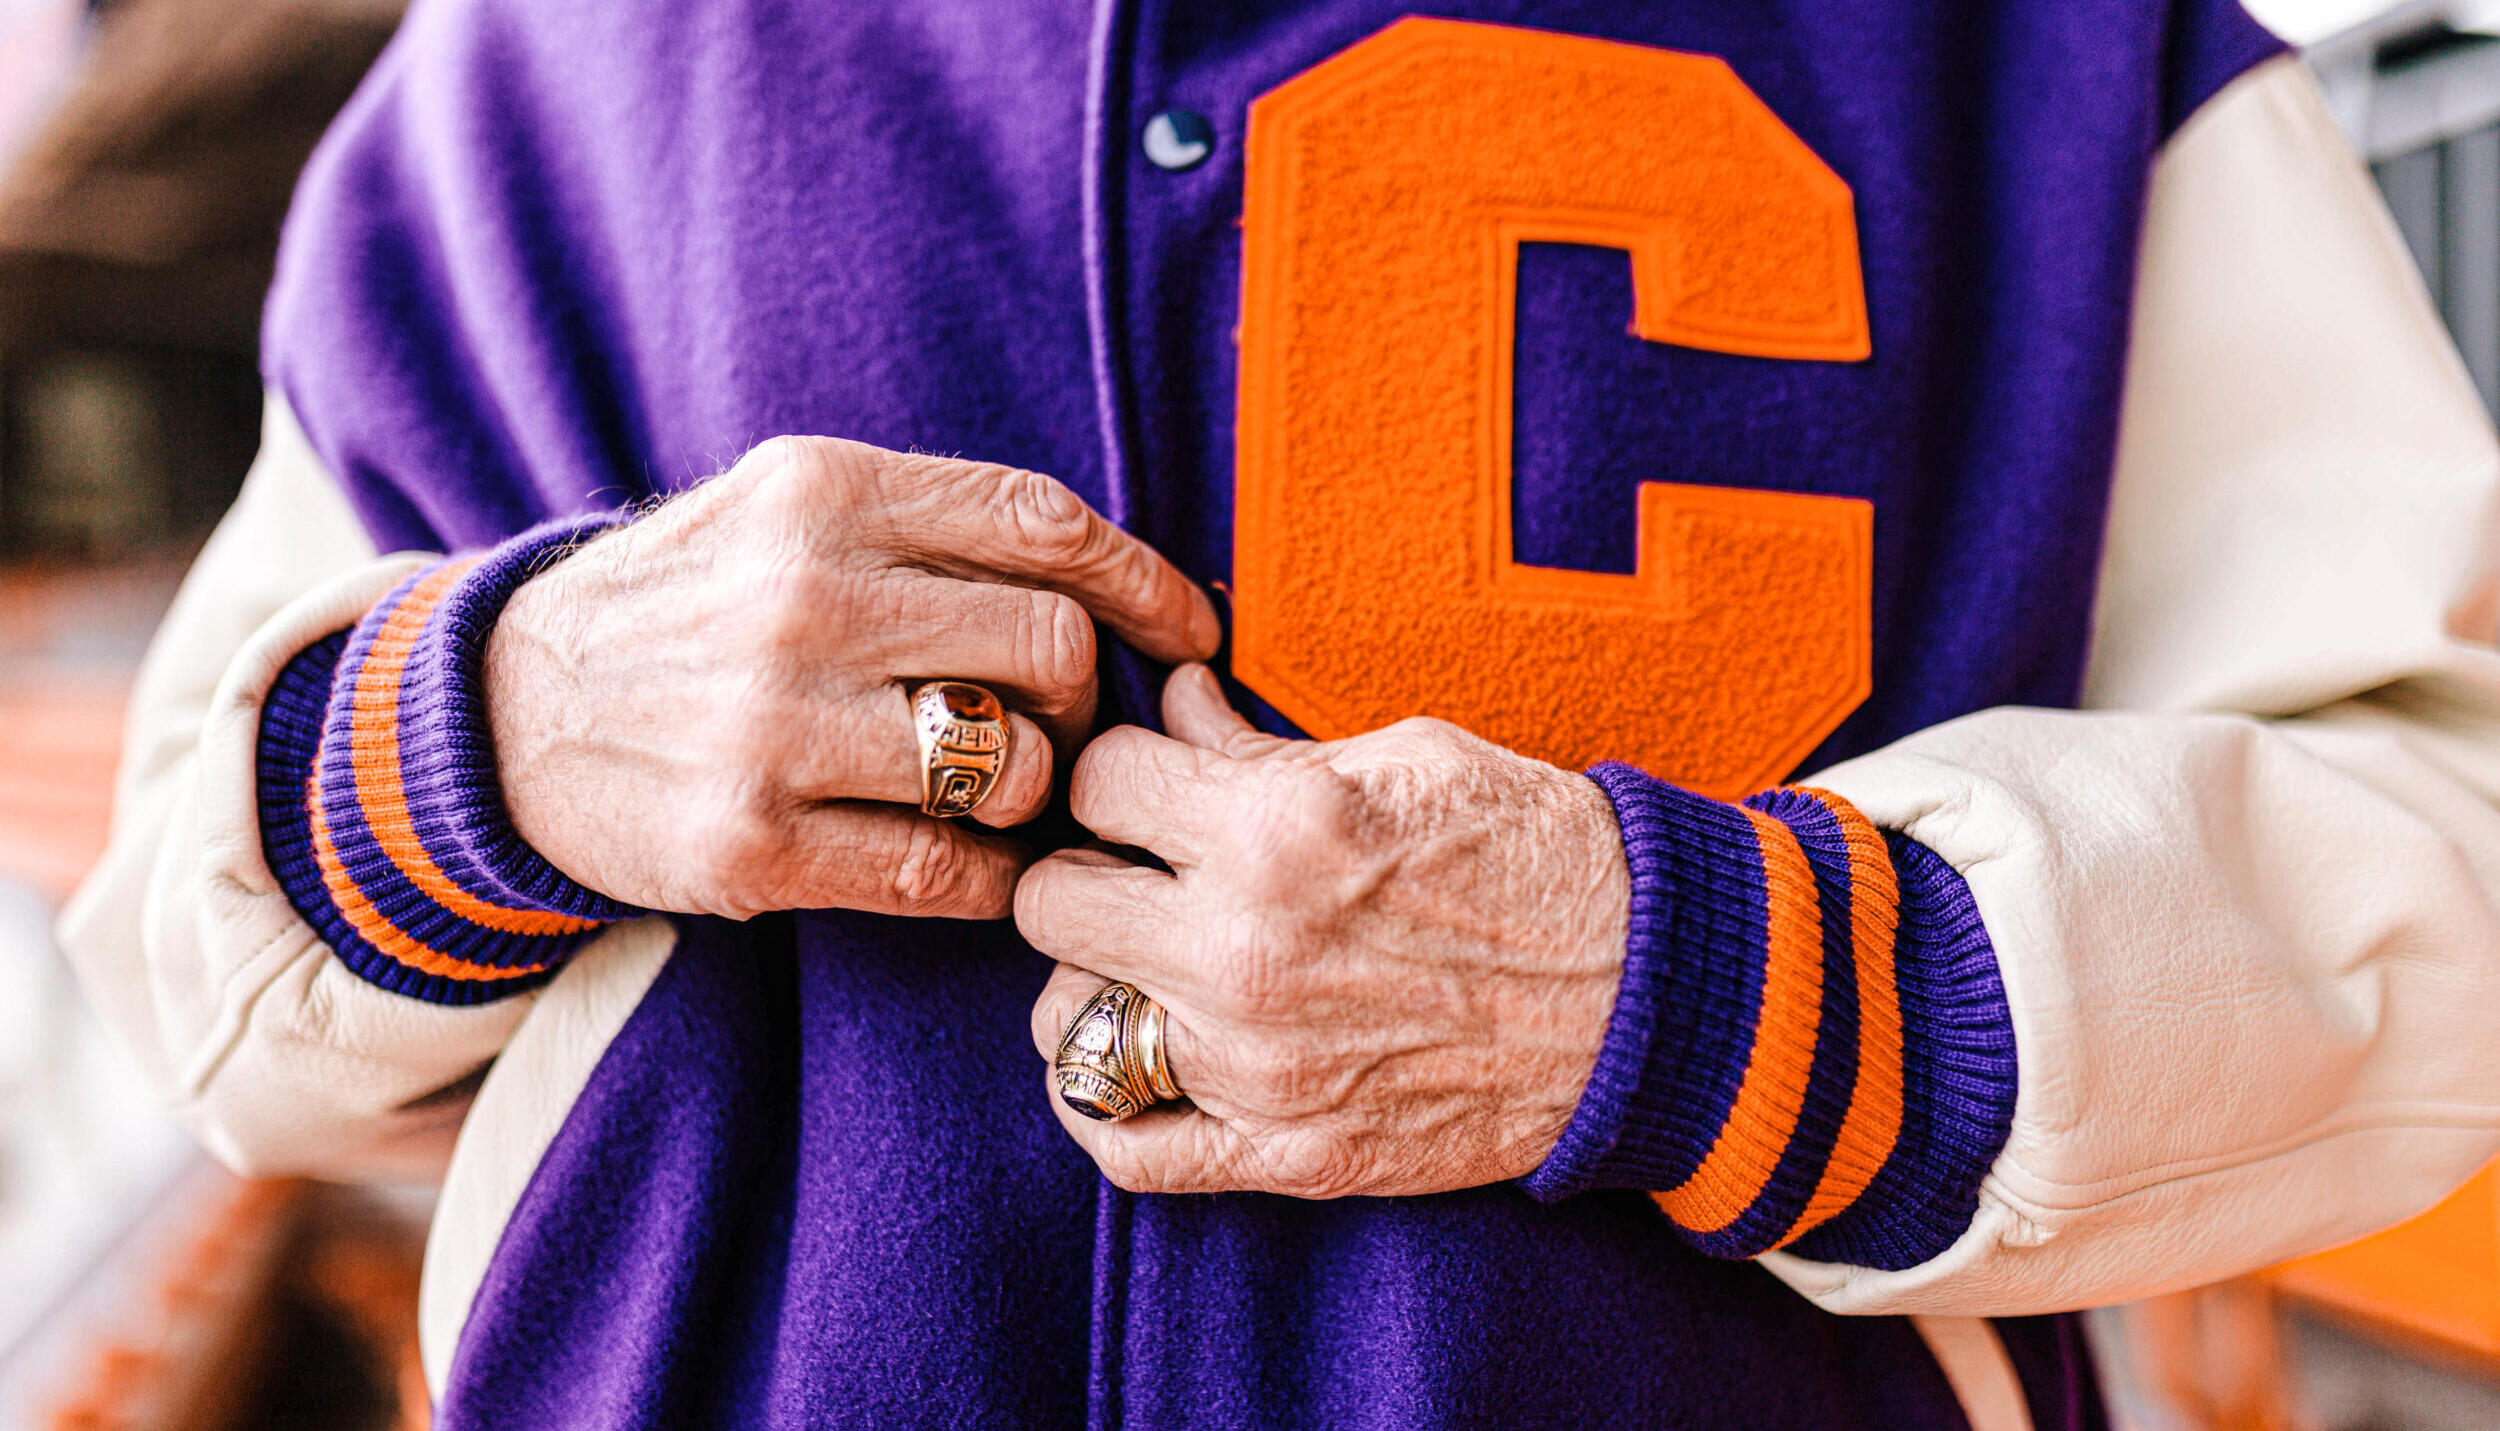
[1387, 192]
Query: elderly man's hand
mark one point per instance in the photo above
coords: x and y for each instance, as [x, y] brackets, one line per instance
[707, 711]
[1388, 962]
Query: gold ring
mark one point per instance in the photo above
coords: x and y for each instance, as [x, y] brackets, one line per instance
[964, 737]
[1112, 1062]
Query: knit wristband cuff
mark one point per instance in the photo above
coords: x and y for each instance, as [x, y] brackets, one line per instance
[1744, 1083]
[381, 809]
[1960, 1076]
[1685, 1009]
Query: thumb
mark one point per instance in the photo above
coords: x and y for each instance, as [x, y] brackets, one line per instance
[1195, 712]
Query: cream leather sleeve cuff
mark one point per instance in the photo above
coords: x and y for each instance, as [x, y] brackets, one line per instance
[2254, 972]
[279, 1057]
[2247, 906]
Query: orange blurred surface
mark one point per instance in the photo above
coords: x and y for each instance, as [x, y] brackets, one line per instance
[57, 747]
[70, 638]
[2433, 1282]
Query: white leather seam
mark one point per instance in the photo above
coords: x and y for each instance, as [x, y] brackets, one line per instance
[2103, 1192]
[2481, 1120]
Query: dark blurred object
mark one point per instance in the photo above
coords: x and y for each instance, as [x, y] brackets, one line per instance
[193, 1352]
[137, 232]
[257, 1306]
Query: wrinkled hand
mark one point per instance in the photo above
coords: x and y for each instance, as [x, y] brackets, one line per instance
[1388, 962]
[707, 712]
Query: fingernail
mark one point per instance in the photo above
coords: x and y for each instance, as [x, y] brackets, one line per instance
[1205, 632]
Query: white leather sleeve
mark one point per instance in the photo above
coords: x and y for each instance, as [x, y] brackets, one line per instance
[521, 1106]
[2244, 903]
[277, 1056]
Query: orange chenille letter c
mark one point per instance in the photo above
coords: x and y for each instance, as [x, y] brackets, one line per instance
[1388, 191]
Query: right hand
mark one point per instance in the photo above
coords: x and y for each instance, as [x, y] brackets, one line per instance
[708, 712]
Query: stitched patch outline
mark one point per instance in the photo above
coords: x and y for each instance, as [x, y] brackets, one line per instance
[1387, 193]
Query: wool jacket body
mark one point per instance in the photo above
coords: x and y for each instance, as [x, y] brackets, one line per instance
[557, 258]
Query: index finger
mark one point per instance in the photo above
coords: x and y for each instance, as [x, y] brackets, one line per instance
[979, 521]
[1134, 787]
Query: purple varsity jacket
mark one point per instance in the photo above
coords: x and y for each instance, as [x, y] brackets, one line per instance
[1762, 357]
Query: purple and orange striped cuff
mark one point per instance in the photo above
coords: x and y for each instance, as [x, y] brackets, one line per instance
[380, 810]
[1811, 1047]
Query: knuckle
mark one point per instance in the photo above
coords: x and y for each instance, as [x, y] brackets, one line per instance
[1259, 986]
[1060, 651]
[1255, 972]
[781, 454]
[1427, 730]
[1042, 907]
[1045, 517]
[1125, 1170]
[1270, 1073]
[1312, 1166]
[812, 475]
[1102, 770]
[1328, 804]
[735, 843]
[788, 610]
[1270, 872]
[1101, 758]
[1129, 567]
[1050, 1017]
[738, 748]
[785, 470]
[1310, 813]
[934, 867]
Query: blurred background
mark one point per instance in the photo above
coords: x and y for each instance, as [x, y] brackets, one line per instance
[147, 148]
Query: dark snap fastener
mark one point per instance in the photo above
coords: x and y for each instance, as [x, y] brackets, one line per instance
[1179, 139]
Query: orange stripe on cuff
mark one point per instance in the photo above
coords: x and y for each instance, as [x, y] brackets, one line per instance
[1773, 1092]
[1872, 1126]
[375, 927]
[373, 745]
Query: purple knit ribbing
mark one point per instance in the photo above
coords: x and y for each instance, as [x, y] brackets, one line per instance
[1693, 878]
[1683, 1028]
[448, 785]
[1959, 1070]
[447, 753]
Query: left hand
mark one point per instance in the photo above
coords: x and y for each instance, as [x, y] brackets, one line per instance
[1388, 961]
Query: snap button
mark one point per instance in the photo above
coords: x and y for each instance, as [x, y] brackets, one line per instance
[1179, 139]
